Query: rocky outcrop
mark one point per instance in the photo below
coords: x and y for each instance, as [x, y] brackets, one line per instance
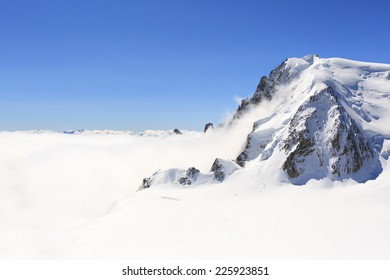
[218, 170]
[191, 176]
[184, 181]
[208, 126]
[222, 168]
[266, 88]
[192, 173]
[146, 183]
[176, 131]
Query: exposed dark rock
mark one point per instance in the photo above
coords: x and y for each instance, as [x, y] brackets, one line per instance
[351, 153]
[266, 88]
[73, 131]
[293, 163]
[262, 84]
[208, 126]
[184, 181]
[323, 133]
[218, 170]
[243, 157]
[255, 144]
[191, 176]
[146, 183]
[192, 173]
[176, 131]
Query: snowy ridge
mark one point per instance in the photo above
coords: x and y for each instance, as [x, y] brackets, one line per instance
[192, 176]
[330, 120]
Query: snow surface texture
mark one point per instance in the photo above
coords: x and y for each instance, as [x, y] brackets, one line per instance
[231, 192]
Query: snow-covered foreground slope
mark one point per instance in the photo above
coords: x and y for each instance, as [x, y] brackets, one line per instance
[72, 197]
[52, 180]
[300, 170]
[238, 220]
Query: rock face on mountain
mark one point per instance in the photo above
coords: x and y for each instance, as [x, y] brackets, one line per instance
[325, 141]
[191, 176]
[325, 122]
[222, 168]
[208, 126]
[268, 85]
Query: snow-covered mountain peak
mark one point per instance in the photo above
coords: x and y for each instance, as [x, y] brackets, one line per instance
[329, 119]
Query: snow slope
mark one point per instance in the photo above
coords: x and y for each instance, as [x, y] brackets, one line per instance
[82, 195]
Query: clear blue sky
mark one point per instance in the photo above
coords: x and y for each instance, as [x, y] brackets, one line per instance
[132, 64]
